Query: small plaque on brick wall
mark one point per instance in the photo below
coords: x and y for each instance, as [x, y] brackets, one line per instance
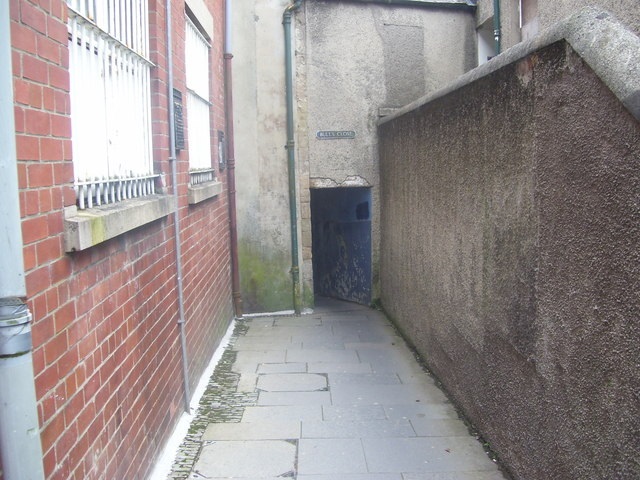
[178, 119]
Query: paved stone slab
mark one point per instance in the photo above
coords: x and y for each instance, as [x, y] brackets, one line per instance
[322, 356]
[248, 361]
[436, 427]
[303, 321]
[282, 368]
[382, 394]
[441, 410]
[280, 430]
[292, 382]
[282, 413]
[356, 476]
[334, 456]
[247, 382]
[426, 454]
[294, 398]
[454, 476]
[363, 379]
[269, 458]
[264, 343]
[354, 412]
[315, 367]
[357, 429]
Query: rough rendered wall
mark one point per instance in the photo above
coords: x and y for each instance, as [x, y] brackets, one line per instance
[510, 258]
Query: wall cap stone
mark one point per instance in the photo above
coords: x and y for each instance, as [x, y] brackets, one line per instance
[612, 52]
[202, 192]
[85, 228]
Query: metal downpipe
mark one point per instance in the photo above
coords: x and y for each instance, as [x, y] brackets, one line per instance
[497, 26]
[231, 163]
[176, 213]
[20, 447]
[291, 154]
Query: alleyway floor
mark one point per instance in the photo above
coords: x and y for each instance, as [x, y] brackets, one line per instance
[334, 395]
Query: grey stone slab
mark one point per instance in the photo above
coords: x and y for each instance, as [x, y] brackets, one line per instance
[269, 430]
[322, 356]
[357, 429]
[248, 361]
[264, 343]
[294, 398]
[441, 410]
[311, 339]
[323, 344]
[262, 458]
[426, 454]
[303, 321]
[417, 377]
[363, 379]
[334, 456]
[454, 476]
[282, 413]
[396, 358]
[292, 382]
[345, 317]
[382, 394]
[314, 367]
[353, 412]
[282, 368]
[355, 476]
[438, 427]
[247, 382]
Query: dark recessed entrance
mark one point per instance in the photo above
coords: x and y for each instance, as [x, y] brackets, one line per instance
[341, 235]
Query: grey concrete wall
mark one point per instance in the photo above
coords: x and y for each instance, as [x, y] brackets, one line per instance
[510, 258]
[553, 11]
[351, 60]
[361, 59]
[261, 168]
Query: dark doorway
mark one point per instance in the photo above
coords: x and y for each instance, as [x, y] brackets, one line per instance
[341, 235]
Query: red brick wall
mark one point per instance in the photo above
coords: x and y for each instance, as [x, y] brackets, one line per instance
[106, 346]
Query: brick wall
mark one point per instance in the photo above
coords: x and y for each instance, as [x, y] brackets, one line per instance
[106, 346]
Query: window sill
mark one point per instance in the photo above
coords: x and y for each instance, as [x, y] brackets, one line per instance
[85, 228]
[204, 191]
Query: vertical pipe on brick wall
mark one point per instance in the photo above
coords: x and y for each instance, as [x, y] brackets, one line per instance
[291, 154]
[176, 213]
[231, 162]
[20, 447]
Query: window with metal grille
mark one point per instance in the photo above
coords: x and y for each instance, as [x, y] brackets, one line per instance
[110, 100]
[198, 106]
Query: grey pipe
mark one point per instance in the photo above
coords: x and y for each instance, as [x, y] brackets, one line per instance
[20, 447]
[176, 213]
[497, 26]
[291, 155]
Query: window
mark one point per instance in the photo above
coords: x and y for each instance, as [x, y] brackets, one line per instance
[110, 100]
[198, 105]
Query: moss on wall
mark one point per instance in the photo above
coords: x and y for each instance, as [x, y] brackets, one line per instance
[264, 279]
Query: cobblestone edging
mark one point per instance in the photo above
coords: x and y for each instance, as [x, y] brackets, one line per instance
[220, 403]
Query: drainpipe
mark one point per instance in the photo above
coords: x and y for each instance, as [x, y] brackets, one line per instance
[231, 163]
[20, 447]
[291, 153]
[176, 213]
[497, 27]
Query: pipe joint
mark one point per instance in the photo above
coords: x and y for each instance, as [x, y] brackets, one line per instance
[15, 327]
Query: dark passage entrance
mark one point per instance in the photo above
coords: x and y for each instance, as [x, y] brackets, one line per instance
[341, 235]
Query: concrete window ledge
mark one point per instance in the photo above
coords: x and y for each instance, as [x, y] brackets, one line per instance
[200, 193]
[85, 228]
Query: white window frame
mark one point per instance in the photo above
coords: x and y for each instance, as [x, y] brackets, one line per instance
[110, 92]
[197, 73]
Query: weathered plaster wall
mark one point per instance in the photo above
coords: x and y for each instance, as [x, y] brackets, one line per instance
[261, 169]
[511, 257]
[351, 60]
[361, 60]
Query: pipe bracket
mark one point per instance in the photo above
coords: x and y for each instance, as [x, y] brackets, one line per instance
[15, 327]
